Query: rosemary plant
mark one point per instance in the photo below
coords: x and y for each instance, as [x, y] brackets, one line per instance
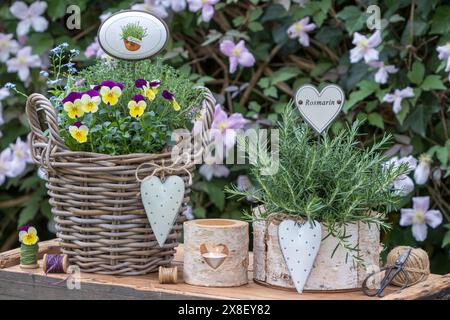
[335, 182]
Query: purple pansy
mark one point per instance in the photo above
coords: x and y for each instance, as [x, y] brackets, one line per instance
[24, 228]
[78, 124]
[71, 97]
[110, 84]
[140, 83]
[155, 83]
[167, 95]
[138, 97]
[92, 93]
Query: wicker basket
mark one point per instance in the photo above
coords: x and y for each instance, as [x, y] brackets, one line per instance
[95, 199]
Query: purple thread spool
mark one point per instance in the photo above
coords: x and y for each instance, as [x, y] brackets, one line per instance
[55, 263]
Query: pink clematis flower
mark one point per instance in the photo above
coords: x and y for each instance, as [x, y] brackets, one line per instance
[300, 30]
[207, 7]
[404, 184]
[397, 98]
[224, 127]
[7, 46]
[444, 54]
[175, 5]
[365, 47]
[152, 6]
[382, 75]
[30, 16]
[94, 50]
[423, 169]
[419, 217]
[23, 62]
[237, 53]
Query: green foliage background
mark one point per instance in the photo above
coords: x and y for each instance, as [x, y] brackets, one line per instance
[414, 29]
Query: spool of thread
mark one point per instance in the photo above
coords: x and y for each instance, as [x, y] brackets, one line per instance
[168, 275]
[29, 256]
[55, 263]
[417, 266]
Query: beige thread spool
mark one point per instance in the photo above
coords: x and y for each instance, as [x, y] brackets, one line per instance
[417, 266]
[168, 275]
[65, 263]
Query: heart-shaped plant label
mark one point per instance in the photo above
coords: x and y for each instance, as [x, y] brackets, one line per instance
[216, 256]
[319, 109]
[299, 243]
[162, 202]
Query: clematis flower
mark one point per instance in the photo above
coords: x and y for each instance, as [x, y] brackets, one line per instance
[238, 54]
[422, 171]
[7, 46]
[225, 127]
[397, 98]
[73, 105]
[90, 101]
[169, 96]
[137, 106]
[152, 6]
[243, 183]
[404, 184]
[207, 7]
[149, 89]
[188, 214]
[300, 30]
[382, 75]
[175, 5]
[419, 217]
[5, 165]
[79, 132]
[21, 152]
[28, 237]
[444, 54]
[30, 16]
[365, 47]
[110, 92]
[23, 62]
[4, 93]
[208, 171]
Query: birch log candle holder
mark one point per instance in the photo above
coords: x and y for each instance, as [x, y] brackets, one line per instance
[215, 252]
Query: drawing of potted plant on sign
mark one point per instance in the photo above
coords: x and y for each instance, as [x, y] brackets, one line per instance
[132, 35]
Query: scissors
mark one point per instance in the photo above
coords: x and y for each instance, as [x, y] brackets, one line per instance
[390, 273]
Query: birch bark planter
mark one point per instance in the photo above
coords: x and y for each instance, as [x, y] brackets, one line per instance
[332, 274]
[215, 252]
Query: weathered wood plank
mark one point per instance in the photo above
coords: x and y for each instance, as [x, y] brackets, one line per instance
[435, 287]
[12, 257]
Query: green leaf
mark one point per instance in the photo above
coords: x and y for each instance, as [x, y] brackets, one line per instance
[216, 195]
[353, 17]
[433, 82]
[417, 72]
[255, 106]
[376, 120]
[57, 8]
[264, 83]
[366, 89]
[255, 26]
[271, 92]
[27, 213]
[200, 213]
[439, 22]
[284, 74]
[238, 21]
[446, 240]
[41, 42]
[255, 14]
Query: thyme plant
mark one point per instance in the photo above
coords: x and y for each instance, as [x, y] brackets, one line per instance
[335, 182]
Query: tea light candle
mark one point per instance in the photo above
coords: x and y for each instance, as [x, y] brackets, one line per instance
[214, 258]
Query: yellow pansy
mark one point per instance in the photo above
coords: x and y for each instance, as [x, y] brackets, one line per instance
[150, 92]
[90, 103]
[175, 105]
[110, 95]
[74, 109]
[29, 237]
[137, 106]
[79, 133]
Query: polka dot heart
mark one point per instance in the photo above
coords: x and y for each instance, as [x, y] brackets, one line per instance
[299, 244]
[162, 202]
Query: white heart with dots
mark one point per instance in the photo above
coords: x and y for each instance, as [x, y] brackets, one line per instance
[162, 202]
[299, 243]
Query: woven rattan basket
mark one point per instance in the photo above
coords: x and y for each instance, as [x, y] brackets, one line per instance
[95, 198]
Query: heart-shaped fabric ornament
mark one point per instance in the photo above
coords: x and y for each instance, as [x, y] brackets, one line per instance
[319, 109]
[299, 244]
[162, 202]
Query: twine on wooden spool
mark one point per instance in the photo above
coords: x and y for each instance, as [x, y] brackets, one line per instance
[55, 263]
[417, 266]
[29, 256]
[168, 275]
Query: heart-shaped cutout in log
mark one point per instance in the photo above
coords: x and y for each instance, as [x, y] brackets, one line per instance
[216, 256]
[319, 109]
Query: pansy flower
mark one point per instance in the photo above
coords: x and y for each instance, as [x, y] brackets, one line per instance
[90, 101]
[110, 91]
[79, 132]
[73, 106]
[28, 236]
[137, 106]
[169, 96]
[149, 89]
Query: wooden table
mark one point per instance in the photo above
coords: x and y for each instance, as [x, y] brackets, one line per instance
[17, 283]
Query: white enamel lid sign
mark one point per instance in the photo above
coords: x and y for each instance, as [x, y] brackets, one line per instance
[133, 35]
